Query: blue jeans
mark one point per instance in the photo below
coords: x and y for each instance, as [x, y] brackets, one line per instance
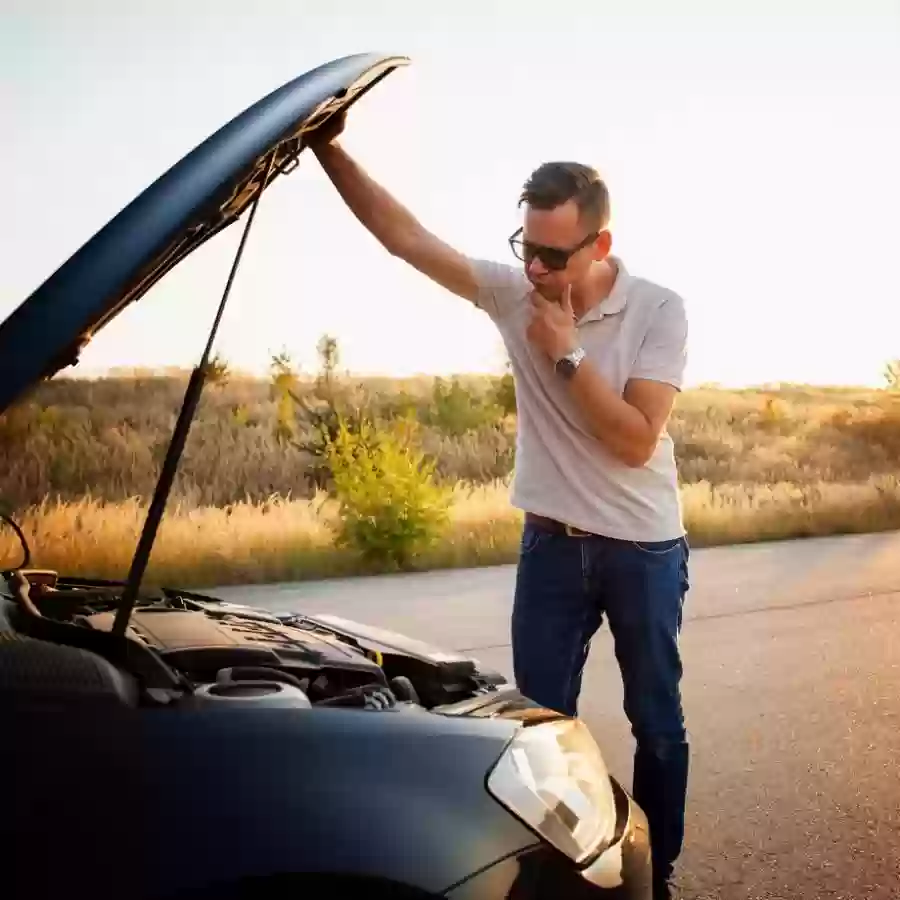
[565, 585]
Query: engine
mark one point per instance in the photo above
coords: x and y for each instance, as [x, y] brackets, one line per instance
[213, 647]
[225, 653]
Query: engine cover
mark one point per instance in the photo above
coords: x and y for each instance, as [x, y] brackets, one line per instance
[200, 644]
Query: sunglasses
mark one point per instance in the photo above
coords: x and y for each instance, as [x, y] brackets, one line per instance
[553, 258]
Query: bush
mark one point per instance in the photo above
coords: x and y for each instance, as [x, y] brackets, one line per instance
[455, 410]
[390, 508]
[504, 394]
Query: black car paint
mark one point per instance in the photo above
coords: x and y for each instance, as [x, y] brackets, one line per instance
[326, 786]
[213, 802]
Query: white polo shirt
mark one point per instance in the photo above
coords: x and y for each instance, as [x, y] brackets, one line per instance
[562, 470]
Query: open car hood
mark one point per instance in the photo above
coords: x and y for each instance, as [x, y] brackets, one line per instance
[203, 193]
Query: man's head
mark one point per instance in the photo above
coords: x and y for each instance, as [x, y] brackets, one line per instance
[566, 209]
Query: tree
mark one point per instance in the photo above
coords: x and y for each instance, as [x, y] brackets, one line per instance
[284, 384]
[329, 356]
[218, 372]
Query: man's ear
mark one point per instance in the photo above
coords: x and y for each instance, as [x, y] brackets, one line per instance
[603, 245]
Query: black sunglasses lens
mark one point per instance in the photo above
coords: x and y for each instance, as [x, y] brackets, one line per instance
[551, 257]
[554, 259]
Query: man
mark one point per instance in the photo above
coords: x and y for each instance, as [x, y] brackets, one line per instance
[598, 356]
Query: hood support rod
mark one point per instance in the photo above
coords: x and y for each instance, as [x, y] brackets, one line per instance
[179, 438]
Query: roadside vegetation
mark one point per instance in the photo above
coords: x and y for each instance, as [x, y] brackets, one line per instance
[304, 476]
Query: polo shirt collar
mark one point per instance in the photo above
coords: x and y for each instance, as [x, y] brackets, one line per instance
[617, 298]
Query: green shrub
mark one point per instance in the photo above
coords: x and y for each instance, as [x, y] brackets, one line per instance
[504, 394]
[455, 410]
[390, 508]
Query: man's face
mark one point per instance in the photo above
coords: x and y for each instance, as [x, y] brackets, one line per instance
[558, 229]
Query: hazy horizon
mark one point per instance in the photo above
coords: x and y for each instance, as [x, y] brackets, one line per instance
[310, 370]
[751, 156]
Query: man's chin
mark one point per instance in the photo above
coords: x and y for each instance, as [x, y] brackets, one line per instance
[546, 291]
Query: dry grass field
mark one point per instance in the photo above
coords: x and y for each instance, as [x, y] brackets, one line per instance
[80, 459]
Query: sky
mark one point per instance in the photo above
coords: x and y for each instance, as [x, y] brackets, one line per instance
[751, 151]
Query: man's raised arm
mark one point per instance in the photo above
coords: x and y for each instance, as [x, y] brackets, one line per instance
[394, 226]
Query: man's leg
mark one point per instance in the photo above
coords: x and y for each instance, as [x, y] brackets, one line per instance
[644, 592]
[554, 618]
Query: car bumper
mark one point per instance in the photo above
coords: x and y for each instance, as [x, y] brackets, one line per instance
[540, 872]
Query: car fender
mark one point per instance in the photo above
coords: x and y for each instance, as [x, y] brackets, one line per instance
[397, 795]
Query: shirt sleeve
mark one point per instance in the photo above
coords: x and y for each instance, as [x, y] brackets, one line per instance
[501, 287]
[663, 353]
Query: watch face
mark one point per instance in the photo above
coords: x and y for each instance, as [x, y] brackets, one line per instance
[568, 364]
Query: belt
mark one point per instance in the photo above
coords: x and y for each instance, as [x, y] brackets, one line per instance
[556, 527]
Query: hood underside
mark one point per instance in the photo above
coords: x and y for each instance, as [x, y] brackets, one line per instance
[202, 194]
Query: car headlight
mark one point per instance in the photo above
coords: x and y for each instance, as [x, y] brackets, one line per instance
[553, 777]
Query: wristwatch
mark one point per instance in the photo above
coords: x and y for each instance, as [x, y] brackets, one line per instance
[567, 366]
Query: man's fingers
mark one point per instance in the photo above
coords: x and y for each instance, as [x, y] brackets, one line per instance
[567, 299]
[330, 129]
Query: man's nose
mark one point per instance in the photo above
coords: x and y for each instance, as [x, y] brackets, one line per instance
[536, 268]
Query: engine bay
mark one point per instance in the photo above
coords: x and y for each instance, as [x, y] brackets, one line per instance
[181, 645]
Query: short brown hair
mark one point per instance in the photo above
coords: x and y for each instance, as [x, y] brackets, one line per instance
[554, 183]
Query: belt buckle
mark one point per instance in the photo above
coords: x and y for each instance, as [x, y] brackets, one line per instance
[572, 531]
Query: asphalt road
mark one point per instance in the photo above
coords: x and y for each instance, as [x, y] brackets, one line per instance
[792, 692]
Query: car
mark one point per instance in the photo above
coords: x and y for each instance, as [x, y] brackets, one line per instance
[164, 743]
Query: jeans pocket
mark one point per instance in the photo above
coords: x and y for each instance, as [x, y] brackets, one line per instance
[532, 538]
[658, 548]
